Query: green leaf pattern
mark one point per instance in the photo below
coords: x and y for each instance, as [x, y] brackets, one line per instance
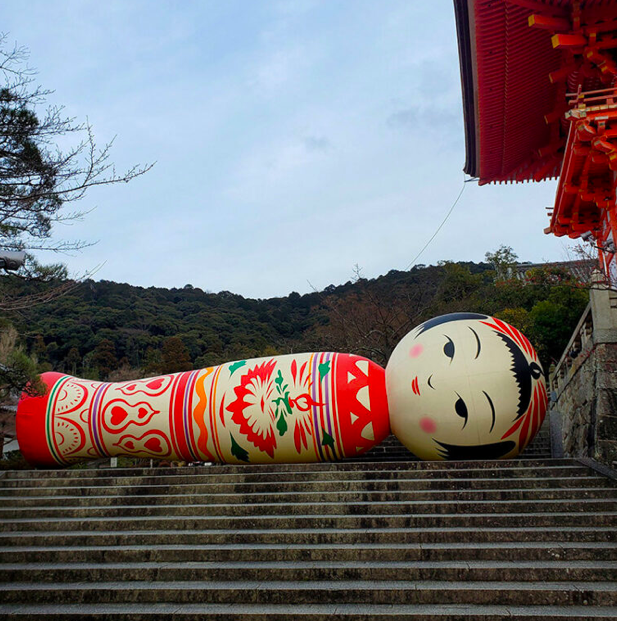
[237, 451]
[324, 369]
[328, 440]
[283, 407]
[235, 366]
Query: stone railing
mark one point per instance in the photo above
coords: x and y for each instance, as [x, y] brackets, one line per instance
[576, 352]
[584, 383]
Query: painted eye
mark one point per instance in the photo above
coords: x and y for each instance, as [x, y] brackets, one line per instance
[448, 348]
[461, 409]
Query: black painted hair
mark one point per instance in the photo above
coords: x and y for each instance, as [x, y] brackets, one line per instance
[523, 373]
[438, 321]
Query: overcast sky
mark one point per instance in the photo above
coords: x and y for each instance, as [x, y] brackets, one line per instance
[293, 139]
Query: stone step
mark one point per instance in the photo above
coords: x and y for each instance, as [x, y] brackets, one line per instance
[283, 509]
[474, 570]
[344, 466]
[182, 553]
[248, 469]
[536, 453]
[493, 495]
[539, 453]
[388, 453]
[191, 522]
[368, 484]
[399, 540]
[342, 592]
[387, 457]
[306, 612]
[300, 536]
[214, 475]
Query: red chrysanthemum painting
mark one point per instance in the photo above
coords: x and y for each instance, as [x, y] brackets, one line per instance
[253, 410]
[302, 404]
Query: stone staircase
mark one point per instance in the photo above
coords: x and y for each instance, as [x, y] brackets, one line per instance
[385, 540]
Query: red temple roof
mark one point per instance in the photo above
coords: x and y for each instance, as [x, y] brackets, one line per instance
[519, 58]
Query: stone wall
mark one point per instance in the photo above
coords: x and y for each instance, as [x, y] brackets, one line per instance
[584, 383]
[588, 407]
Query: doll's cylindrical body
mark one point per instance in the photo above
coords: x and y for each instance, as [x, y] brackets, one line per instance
[295, 408]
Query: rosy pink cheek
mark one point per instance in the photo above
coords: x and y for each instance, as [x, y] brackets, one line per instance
[428, 425]
[416, 350]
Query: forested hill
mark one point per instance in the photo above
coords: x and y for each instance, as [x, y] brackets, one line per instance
[118, 331]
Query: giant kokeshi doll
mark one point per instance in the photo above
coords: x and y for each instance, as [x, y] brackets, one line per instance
[465, 386]
[296, 408]
[460, 386]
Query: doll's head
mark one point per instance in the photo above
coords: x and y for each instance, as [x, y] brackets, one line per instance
[465, 386]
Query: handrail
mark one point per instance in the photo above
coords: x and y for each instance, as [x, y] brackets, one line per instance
[578, 348]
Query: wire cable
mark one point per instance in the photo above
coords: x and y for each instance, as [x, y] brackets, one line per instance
[438, 228]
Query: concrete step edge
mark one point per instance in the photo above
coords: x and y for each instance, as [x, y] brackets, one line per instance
[454, 482]
[334, 516]
[321, 611]
[367, 492]
[499, 545]
[356, 503]
[277, 468]
[502, 470]
[304, 531]
[339, 585]
[323, 565]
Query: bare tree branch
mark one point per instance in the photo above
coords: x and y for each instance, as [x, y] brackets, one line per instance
[37, 178]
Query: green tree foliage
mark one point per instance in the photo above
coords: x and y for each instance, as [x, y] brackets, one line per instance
[552, 320]
[363, 316]
[39, 349]
[457, 286]
[175, 356]
[18, 371]
[72, 361]
[503, 260]
[104, 358]
[546, 306]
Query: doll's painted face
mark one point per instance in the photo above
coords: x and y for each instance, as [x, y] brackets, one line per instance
[465, 386]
